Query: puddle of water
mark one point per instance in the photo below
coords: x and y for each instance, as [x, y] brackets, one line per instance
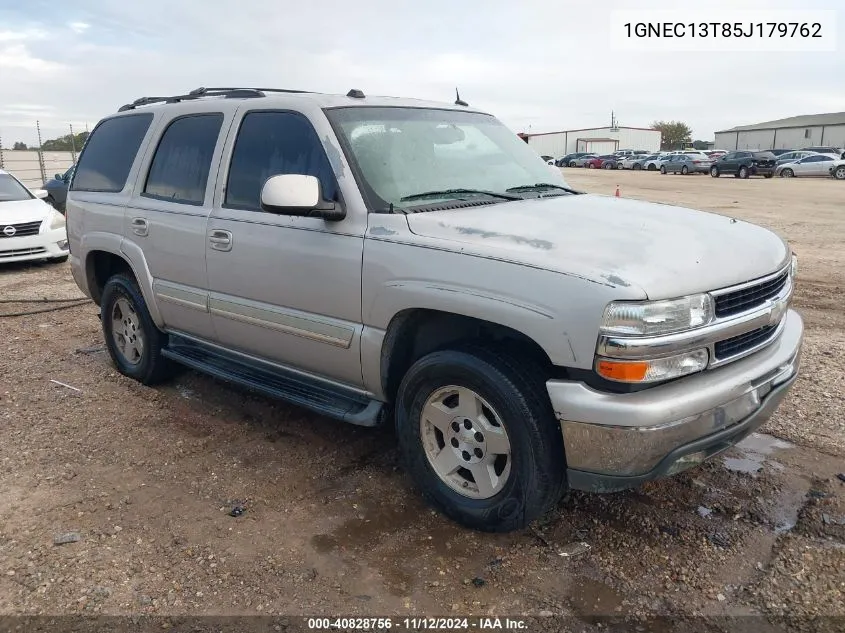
[593, 598]
[755, 448]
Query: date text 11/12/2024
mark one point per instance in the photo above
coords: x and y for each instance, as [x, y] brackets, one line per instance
[418, 624]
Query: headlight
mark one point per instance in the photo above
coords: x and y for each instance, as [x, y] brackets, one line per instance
[655, 370]
[648, 318]
[53, 221]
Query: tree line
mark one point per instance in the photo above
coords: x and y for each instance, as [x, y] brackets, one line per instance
[64, 143]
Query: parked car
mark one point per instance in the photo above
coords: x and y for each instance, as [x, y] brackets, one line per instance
[565, 160]
[715, 154]
[837, 169]
[824, 149]
[606, 161]
[685, 164]
[56, 189]
[634, 161]
[579, 162]
[548, 159]
[744, 164]
[813, 165]
[654, 163]
[780, 152]
[30, 229]
[789, 157]
[523, 339]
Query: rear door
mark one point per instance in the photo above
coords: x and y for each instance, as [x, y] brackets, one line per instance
[167, 215]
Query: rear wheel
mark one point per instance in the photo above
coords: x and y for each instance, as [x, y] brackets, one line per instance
[572, 163]
[637, 167]
[663, 169]
[133, 340]
[607, 166]
[743, 172]
[839, 172]
[787, 173]
[714, 171]
[591, 166]
[684, 170]
[479, 438]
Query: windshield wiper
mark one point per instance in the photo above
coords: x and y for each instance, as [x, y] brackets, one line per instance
[444, 193]
[540, 186]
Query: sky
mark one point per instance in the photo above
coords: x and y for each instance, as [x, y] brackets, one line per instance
[538, 65]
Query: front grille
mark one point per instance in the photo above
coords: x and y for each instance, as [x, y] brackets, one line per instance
[750, 297]
[743, 342]
[21, 230]
[17, 252]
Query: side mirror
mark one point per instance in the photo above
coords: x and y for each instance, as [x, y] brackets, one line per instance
[40, 193]
[59, 176]
[298, 194]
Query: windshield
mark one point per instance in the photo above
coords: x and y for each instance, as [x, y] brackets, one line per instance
[403, 152]
[11, 190]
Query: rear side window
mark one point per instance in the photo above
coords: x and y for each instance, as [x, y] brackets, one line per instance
[179, 171]
[109, 153]
[272, 143]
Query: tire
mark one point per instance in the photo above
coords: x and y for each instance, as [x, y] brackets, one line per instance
[572, 163]
[839, 173]
[514, 394]
[147, 366]
[663, 169]
[590, 165]
[743, 172]
[652, 167]
[619, 166]
[767, 175]
[684, 170]
[607, 166]
[787, 173]
[714, 172]
[637, 167]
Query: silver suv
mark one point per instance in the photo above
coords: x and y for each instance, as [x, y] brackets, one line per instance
[378, 259]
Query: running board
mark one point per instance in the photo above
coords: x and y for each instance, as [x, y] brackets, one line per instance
[335, 402]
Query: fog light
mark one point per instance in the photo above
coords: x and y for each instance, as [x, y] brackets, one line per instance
[62, 244]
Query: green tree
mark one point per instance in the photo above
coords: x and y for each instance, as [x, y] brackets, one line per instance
[674, 134]
[64, 144]
[19, 145]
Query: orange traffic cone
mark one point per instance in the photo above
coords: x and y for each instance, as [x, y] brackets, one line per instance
[617, 191]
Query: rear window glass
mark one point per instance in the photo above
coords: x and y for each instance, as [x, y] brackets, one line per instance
[108, 155]
[179, 171]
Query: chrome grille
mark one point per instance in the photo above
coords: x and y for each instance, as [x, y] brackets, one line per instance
[743, 342]
[17, 252]
[21, 230]
[751, 296]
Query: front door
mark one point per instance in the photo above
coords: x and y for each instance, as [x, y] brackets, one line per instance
[284, 288]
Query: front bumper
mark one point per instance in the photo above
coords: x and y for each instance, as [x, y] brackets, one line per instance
[616, 441]
[46, 245]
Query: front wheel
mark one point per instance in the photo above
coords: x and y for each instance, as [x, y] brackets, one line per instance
[591, 166]
[479, 438]
[684, 170]
[787, 173]
[743, 172]
[132, 339]
[714, 171]
[637, 167]
[839, 172]
[663, 170]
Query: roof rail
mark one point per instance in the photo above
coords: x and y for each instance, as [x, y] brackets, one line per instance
[198, 93]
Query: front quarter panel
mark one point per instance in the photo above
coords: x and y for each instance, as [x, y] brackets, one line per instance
[560, 312]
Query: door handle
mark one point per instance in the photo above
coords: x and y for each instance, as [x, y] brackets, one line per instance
[140, 226]
[220, 240]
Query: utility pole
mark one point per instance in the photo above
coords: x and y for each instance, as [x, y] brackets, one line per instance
[40, 153]
[72, 143]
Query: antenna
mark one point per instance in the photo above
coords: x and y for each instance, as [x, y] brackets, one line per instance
[458, 100]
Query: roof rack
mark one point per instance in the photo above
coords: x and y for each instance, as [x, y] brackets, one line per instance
[198, 93]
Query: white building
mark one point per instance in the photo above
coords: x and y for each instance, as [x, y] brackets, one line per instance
[811, 130]
[601, 140]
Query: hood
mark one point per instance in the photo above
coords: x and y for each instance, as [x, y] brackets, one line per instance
[665, 251]
[17, 211]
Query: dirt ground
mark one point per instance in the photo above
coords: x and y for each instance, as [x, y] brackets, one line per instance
[146, 479]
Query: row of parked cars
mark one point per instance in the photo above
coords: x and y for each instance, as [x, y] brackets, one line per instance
[785, 163]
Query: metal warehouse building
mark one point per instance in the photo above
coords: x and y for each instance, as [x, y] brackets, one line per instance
[792, 133]
[602, 140]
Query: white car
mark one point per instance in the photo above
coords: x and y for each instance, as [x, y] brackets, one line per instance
[837, 169]
[29, 227]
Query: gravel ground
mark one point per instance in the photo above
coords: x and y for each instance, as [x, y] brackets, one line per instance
[141, 482]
